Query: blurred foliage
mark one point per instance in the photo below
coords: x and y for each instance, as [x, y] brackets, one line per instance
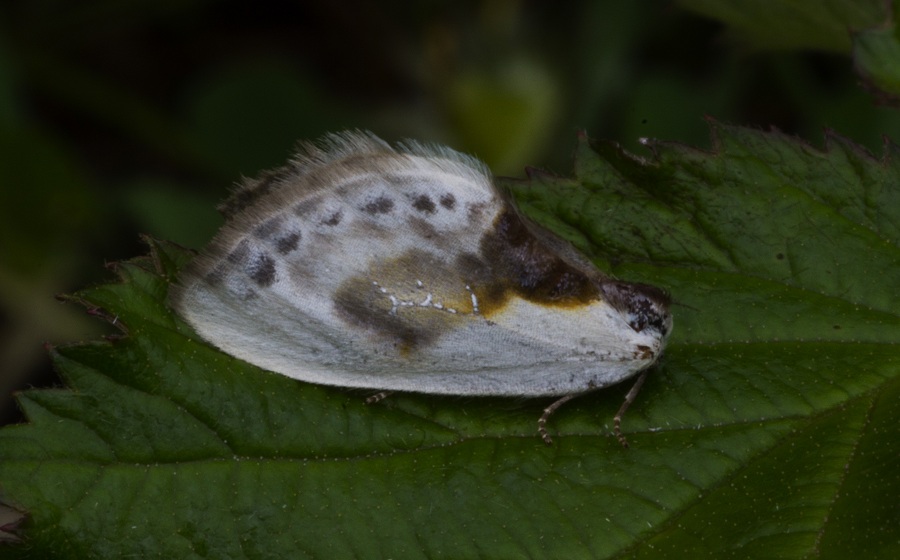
[119, 118]
[794, 24]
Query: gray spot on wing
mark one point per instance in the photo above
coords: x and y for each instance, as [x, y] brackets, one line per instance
[284, 244]
[423, 203]
[262, 270]
[448, 201]
[381, 205]
[334, 219]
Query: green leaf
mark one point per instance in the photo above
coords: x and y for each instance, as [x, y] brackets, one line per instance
[770, 429]
[867, 29]
[876, 53]
[794, 24]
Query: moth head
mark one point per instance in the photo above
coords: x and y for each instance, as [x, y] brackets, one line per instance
[645, 307]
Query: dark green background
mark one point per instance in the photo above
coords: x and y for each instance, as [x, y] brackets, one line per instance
[775, 431]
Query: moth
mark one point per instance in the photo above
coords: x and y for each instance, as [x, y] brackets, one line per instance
[405, 268]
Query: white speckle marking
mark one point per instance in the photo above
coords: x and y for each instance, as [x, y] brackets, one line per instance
[474, 299]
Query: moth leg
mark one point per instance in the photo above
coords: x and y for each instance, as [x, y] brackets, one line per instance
[542, 421]
[629, 398]
[378, 397]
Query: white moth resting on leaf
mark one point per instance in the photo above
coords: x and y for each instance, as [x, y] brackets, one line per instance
[361, 265]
